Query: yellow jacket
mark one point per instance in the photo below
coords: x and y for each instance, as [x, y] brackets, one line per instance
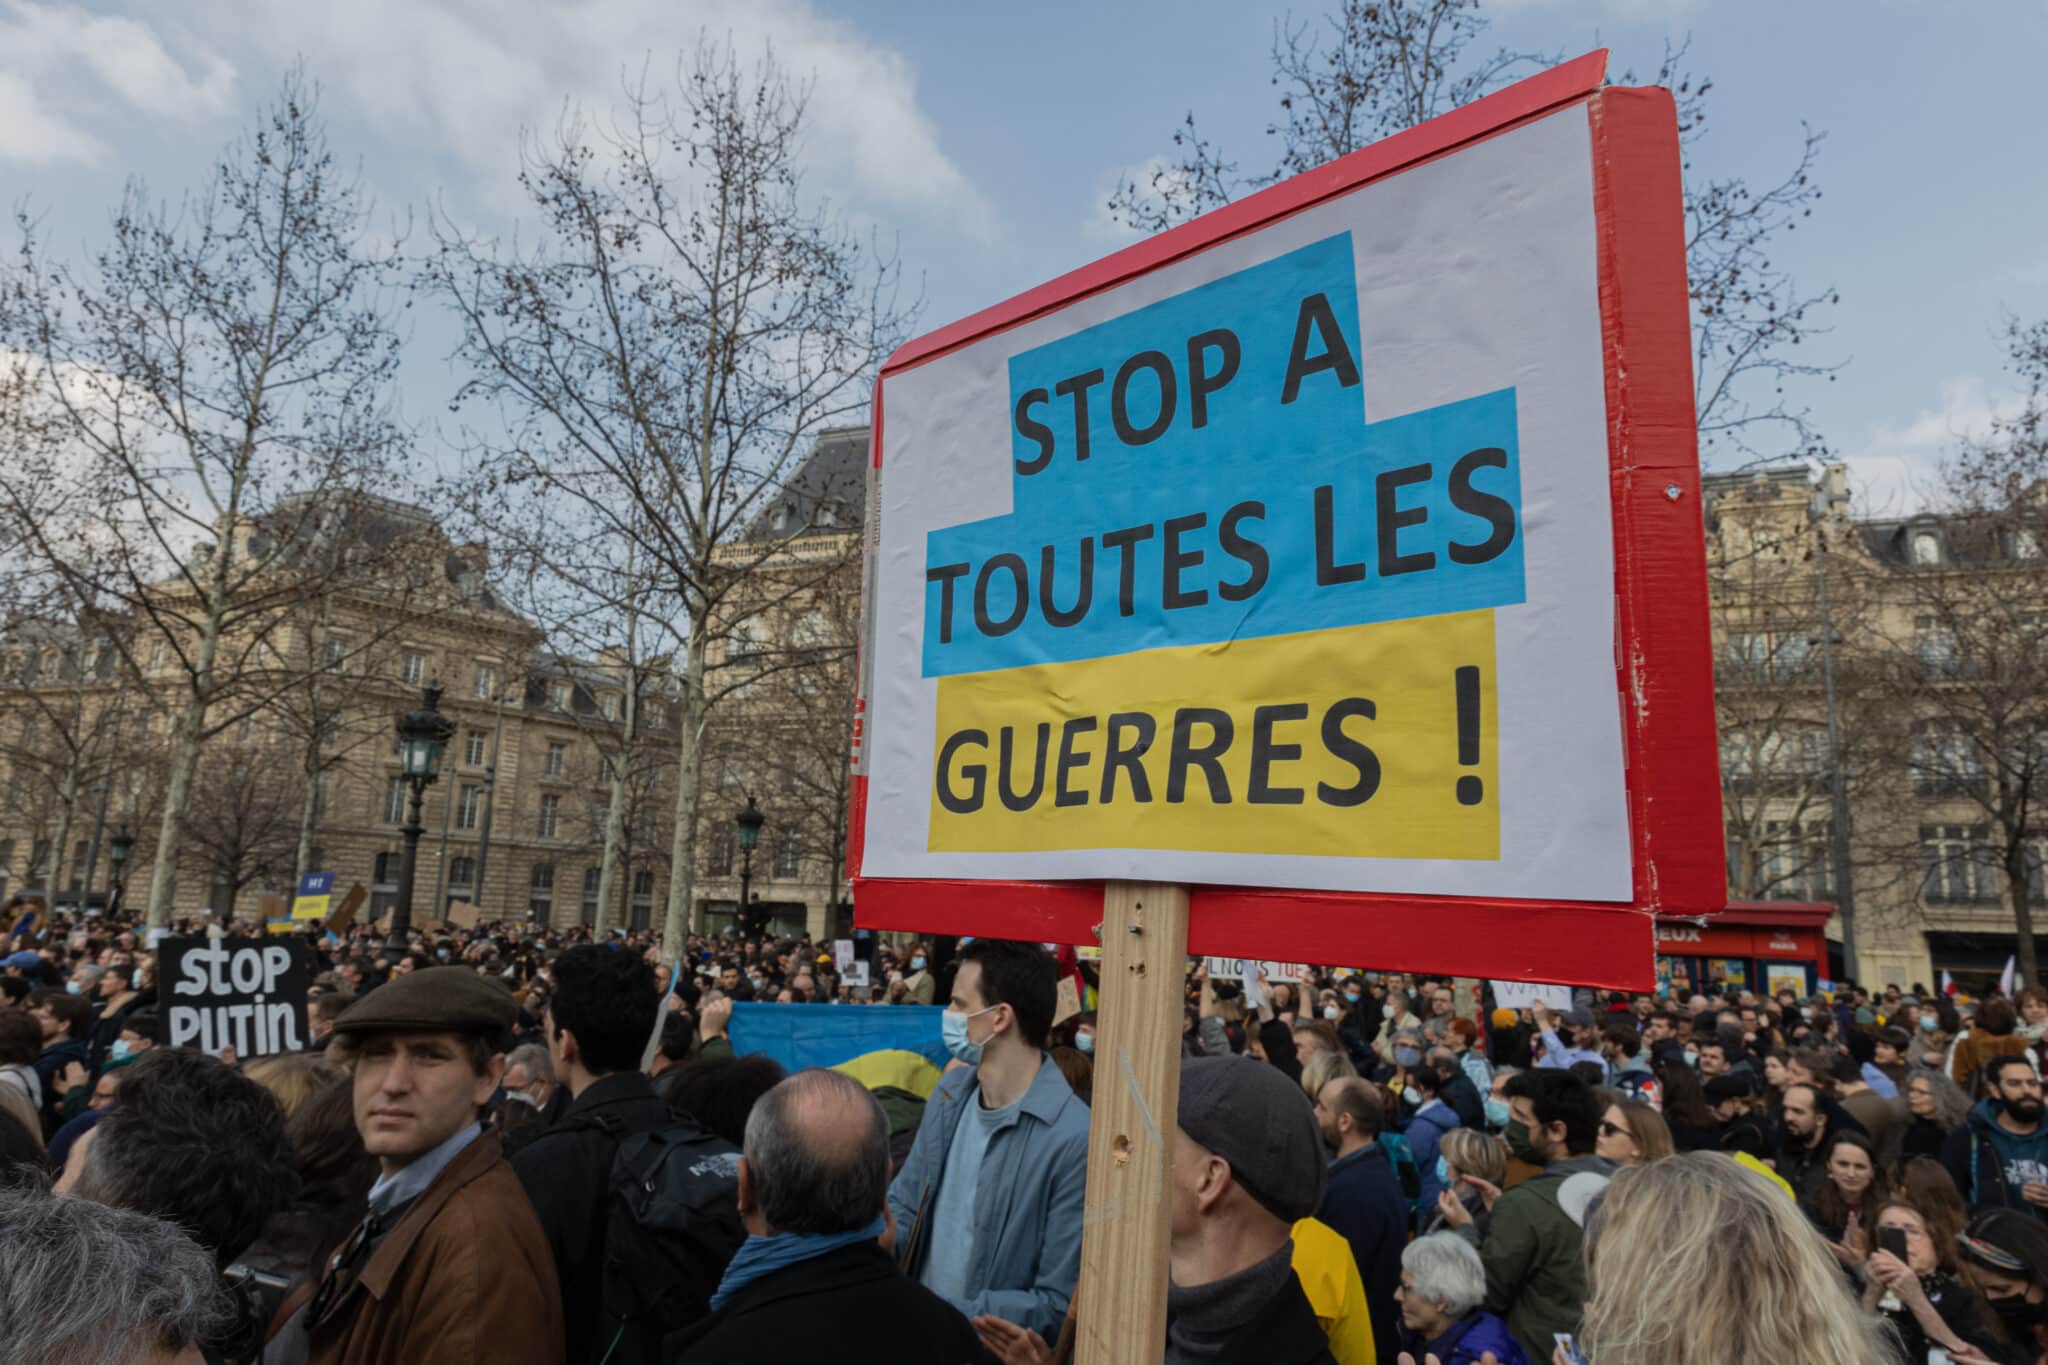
[1329, 1276]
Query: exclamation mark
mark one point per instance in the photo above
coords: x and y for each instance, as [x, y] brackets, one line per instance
[1471, 789]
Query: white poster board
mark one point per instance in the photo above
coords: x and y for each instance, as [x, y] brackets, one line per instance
[1522, 995]
[1289, 563]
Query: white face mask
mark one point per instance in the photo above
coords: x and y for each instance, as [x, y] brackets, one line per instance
[1386, 1011]
[1332, 1013]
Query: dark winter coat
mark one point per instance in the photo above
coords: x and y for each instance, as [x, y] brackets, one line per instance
[851, 1307]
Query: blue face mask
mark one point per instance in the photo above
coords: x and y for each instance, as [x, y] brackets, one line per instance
[1928, 1022]
[953, 1028]
[1351, 997]
[1407, 1058]
[1085, 1042]
[917, 964]
[1496, 1113]
[1443, 1171]
[120, 1051]
[73, 988]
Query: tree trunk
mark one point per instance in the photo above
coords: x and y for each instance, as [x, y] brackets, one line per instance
[2018, 883]
[309, 817]
[170, 829]
[67, 801]
[682, 873]
[615, 810]
[190, 728]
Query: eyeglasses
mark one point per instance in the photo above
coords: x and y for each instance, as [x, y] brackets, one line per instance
[1610, 1130]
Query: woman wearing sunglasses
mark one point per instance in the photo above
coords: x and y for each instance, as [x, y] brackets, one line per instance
[1632, 1133]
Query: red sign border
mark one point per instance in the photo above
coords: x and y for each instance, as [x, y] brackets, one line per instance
[1664, 662]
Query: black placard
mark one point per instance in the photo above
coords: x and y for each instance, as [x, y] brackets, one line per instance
[244, 993]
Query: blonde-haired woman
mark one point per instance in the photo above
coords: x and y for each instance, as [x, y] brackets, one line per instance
[1467, 1151]
[1759, 1287]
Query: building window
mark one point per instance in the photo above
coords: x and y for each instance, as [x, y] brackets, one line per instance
[1946, 762]
[606, 768]
[591, 877]
[1926, 548]
[337, 655]
[550, 816]
[394, 800]
[413, 669]
[486, 682]
[558, 755]
[558, 696]
[156, 656]
[609, 705]
[657, 715]
[385, 875]
[1746, 657]
[461, 876]
[1935, 645]
[643, 898]
[789, 858]
[469, 810]
[718, 856]
[473, 748]
[79, 854]
[259, 656]
[540, 901]
[245, 729]
[1957, 866]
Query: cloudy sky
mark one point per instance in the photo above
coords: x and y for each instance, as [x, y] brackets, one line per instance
[983, 138]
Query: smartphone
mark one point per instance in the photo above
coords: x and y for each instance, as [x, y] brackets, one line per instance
[1570, 1346]
[1892, 1240]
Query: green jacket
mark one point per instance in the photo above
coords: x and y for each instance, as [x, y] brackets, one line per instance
[1534, 1252]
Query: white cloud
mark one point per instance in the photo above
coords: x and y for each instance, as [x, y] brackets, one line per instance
[461, 80]
[59, 65]
[1898, 465]
[1151, 175]
[38, 135]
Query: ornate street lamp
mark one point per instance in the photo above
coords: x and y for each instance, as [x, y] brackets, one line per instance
[421, 736]
[749, 821]
[118, 849]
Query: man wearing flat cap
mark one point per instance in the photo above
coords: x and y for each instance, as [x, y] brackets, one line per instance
[450, 1264]
[1247, 1164]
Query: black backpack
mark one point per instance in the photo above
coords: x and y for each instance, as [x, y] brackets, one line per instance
[674, 1224]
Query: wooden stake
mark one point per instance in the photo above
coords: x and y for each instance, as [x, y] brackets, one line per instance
[1121, 1313]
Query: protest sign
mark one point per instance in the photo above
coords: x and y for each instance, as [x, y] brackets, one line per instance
[1522, 995]
[344, 914]
[842, 953]
[857, 974]
[1322, 580]
[1231, 968]
[463, 915]
[316, 892]
[1273, 555]
[243, 993]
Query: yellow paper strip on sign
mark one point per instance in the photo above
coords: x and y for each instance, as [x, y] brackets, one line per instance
[1368, 741]
[310, 907]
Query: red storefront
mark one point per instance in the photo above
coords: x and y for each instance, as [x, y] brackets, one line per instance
[1753, 945]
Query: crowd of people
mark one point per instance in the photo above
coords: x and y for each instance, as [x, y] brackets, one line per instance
[509, 1143]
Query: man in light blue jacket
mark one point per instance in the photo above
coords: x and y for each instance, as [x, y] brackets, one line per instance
[988, 1204]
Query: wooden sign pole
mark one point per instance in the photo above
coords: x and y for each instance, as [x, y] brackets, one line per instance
[1120, 1315]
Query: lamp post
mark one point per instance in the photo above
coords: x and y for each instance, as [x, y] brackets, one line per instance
[118, 849]
[421, 736]
[749, 821]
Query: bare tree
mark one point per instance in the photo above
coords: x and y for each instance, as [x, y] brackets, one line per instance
[220, 375]
[1968, 655]
[1371, 68]
[242, 826]
[662, 361]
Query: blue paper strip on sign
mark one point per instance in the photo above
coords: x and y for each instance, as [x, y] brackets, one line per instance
[800, 1036]
[1202, 470]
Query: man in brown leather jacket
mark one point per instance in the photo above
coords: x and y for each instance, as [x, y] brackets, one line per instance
[450, 1265]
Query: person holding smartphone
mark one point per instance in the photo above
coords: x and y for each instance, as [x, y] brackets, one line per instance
[1912, 1281]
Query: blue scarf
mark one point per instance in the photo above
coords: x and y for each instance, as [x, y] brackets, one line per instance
[760, 1256]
